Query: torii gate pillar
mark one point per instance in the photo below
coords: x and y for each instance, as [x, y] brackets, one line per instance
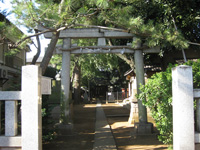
[142, 127]
[65, 82]
[139, 65]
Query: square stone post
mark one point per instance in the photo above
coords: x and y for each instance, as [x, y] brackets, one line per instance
[65, 82]
[0, 118]
[183, 109]
[133, 89]
[198, 115]
[134, 106]
[11, 118]
[31, 108]
[129, 89]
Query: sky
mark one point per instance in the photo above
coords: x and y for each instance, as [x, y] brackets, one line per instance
[44, 42]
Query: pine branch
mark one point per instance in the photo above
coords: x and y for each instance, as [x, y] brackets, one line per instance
[103, 27]
[183, 52]
[28, 37]
[61, 5]
[38, 49]
[192, 43]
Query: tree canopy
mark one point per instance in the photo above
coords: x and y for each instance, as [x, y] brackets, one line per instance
[154, 22]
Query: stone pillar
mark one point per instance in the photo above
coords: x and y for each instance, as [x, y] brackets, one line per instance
[0, 107]
[10, 118]
[142, 127]
[0, 117]
[65, 82]
[134, 89]
[129, 89]
[134, 106]
[198, 115]
[31, 108]
[183, 109]
[139, 65]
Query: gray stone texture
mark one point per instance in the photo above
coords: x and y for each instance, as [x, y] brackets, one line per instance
[183, 109]
[11, 118]
[65, 79]
[139, 64]
[31, 108]
[143, 128]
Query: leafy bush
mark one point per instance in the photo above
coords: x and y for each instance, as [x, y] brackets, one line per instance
[157, 95]
[48, 131]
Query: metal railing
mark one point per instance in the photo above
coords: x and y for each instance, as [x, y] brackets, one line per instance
[116, 97]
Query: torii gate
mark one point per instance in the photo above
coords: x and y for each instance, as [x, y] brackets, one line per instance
[101, 34]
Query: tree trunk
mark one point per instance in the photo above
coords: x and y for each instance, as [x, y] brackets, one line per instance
[38, 49]
[49, 52]
[77, 91]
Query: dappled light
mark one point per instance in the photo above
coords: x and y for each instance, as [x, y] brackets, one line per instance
[89, 106]
[122, 130]
[144, 147]
[83, 133]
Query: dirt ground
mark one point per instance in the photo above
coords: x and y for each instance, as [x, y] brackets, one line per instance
[82, 137]
[123, 131]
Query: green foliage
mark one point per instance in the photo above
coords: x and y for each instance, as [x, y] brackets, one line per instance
[56, 61]
[196, 72]
[158, 92]
[11, 34]
[155, 20]
[48, 132]
[157, 95]
[2, 26]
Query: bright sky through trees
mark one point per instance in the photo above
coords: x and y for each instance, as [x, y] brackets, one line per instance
[11, 17]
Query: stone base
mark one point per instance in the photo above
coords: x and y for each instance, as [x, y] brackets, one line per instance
[143, 128]
[144, 136]
[65, 129]
[197, 137]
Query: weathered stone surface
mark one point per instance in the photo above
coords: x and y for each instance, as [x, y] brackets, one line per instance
[10, 118]
[183, 109]
[10, 95]
[10, 141]
[139, 64]
[31, 108]
[65, 81]
[143, 128]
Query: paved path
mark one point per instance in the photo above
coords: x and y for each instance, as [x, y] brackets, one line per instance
[103, 136]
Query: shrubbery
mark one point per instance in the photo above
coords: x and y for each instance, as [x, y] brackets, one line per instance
[157, 95]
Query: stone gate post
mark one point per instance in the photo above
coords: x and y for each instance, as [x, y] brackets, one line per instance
[183, 109]
[31, 108]
[139, 64]
[65, 82]
[142, 127]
